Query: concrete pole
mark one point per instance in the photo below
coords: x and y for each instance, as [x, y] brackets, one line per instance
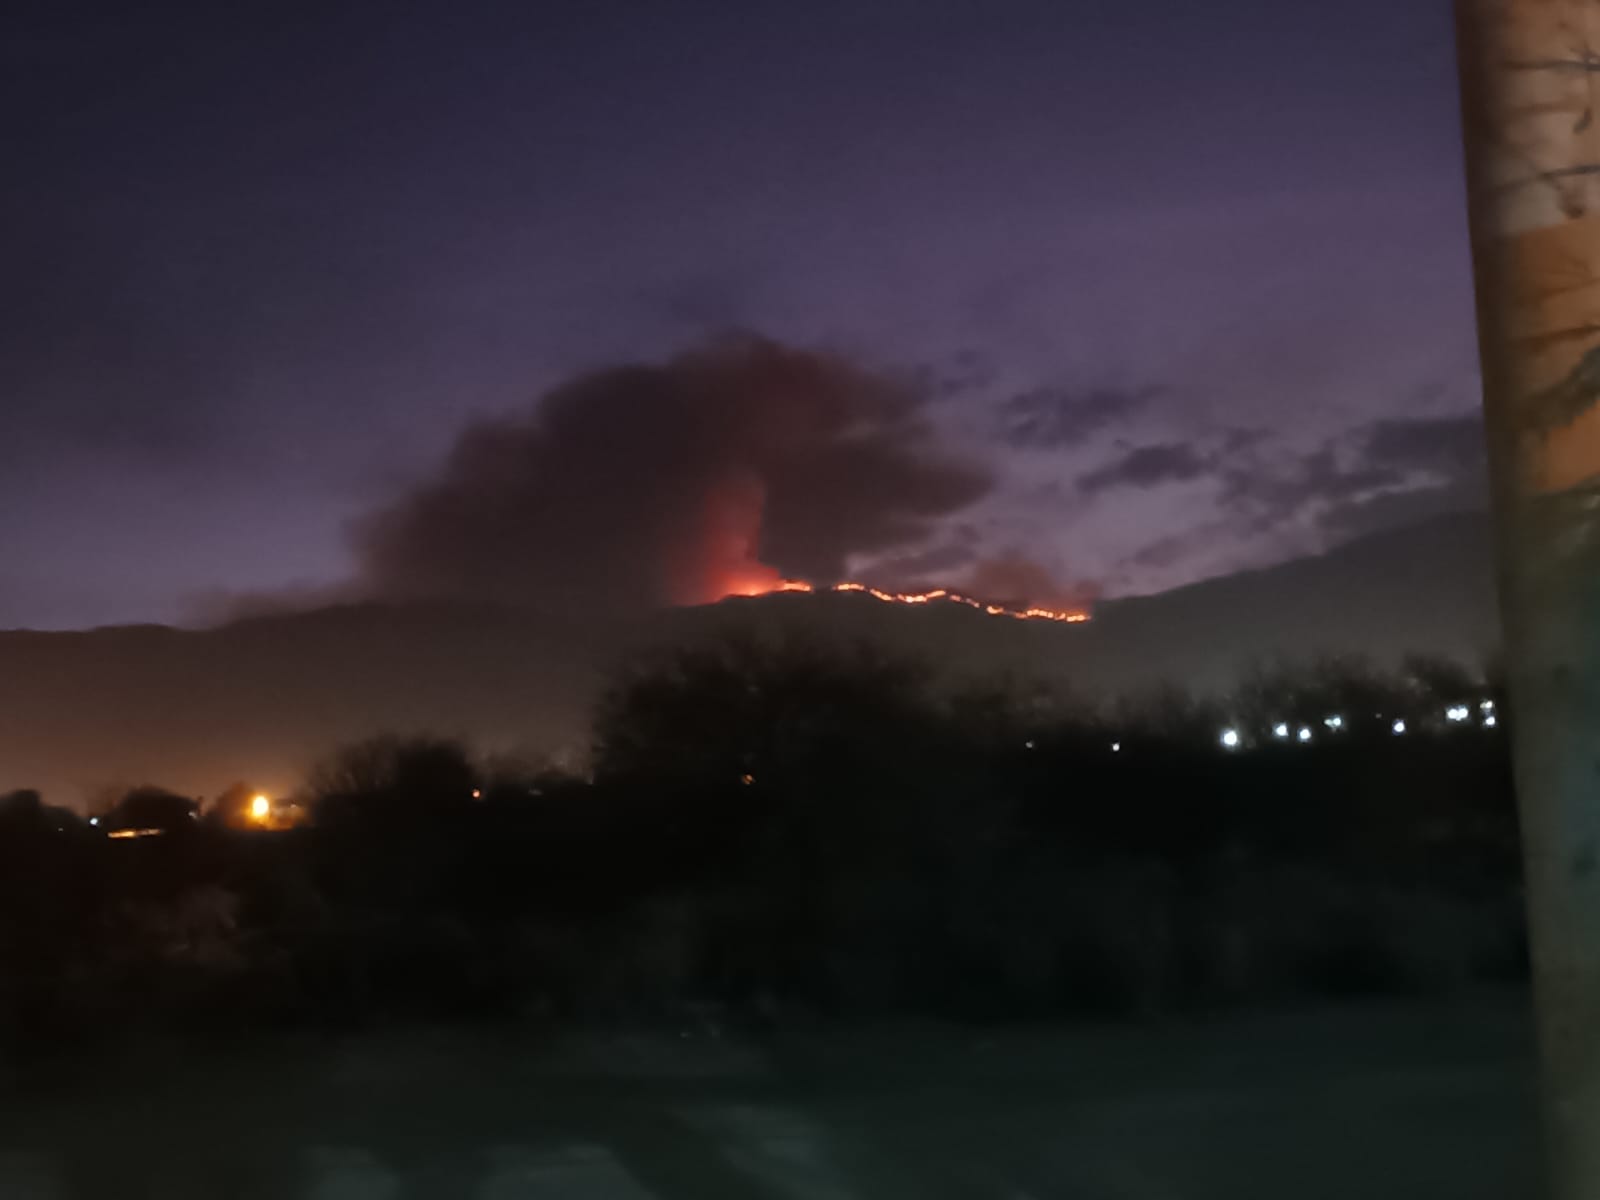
[1530, 72]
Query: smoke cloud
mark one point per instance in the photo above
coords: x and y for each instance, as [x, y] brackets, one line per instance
[719, 471]
[1017, 581]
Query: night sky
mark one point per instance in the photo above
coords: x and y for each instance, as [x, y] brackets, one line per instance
[1133, 294]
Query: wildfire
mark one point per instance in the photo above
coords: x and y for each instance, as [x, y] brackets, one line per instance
[1068, 616]
[726, 562]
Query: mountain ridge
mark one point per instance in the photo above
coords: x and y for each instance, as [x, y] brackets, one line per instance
[259, 699]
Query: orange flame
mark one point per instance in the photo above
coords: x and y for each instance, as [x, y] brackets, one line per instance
[1067, 616]
[726, 562]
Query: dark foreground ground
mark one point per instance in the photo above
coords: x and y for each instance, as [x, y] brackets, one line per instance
[1402, 1101]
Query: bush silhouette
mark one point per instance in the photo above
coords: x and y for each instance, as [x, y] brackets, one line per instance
[774, 828]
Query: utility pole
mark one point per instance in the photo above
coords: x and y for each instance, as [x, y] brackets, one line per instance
[1530, 73]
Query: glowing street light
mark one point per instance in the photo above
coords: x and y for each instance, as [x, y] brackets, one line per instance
[1305, 733]
[1398, 727]
[1116, 747]
[1489, 722]
[1280, 730]
[1456, 713]
[1230, 738]
[1333, 722]
[260, 808]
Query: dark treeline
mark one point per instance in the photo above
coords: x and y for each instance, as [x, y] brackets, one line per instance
[777, 833]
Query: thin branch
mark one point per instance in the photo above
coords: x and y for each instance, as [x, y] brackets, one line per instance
[1553, 176]
[1570, 275]
[1590, 62]
[1543, 341]
[1566, 401]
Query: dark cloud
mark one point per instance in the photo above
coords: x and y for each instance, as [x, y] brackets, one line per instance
[1277, 491]
[1387, 473]
[1240, 440]
[1148, 466]
[960, 374]
[912, 572]
[715, 472]
[1391, 510]
[1443, 460]
[1164, 552]
[1452, 447]
[1053, 418]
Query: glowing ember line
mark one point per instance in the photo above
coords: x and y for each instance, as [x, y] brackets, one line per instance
[1067, 616]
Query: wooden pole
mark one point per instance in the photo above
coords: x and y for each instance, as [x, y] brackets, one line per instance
[1530, 71]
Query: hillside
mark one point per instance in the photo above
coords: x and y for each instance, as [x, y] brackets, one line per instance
[1427, 587]
[260, 699]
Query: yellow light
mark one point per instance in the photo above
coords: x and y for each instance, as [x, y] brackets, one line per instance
[260, 808]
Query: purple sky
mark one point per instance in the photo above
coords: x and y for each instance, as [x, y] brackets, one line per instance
[1193, 278]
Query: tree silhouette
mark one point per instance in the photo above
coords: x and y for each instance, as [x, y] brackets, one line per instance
[394, 782]
[1441, 680]
[152, 808]
[231, 809]
[1350, 688]
[809, 789]
[21, 811]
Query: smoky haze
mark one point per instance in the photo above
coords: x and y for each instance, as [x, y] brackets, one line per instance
[719, 471]
[1018, 581]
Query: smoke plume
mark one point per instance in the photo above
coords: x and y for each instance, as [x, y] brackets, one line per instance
[717, 472]
[1017, 581]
